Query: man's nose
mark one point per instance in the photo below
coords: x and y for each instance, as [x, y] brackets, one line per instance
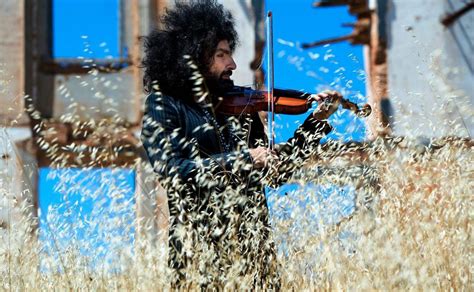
[231, 65]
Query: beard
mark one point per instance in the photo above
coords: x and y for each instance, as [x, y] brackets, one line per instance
[217, 85]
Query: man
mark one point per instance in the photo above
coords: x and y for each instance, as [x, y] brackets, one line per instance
[212, 165]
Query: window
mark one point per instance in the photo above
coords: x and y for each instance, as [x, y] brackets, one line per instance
[86, 32]
[91, 210]
[86, 28]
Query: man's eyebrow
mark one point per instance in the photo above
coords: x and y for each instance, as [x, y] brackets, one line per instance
[223, 51]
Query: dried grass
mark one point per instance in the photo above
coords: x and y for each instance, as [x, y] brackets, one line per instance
[411, 230]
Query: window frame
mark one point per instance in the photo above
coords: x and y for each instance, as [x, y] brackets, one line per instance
[76, 66]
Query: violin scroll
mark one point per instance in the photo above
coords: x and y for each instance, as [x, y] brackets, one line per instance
[362, 112]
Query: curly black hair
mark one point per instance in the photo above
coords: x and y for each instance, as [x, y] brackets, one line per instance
[193, 29]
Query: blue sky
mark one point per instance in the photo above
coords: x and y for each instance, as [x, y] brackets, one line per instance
[88, 208]
[91, 25]
[337, 66]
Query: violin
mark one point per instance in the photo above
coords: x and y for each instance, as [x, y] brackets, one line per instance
[245, 100]
[242, 100]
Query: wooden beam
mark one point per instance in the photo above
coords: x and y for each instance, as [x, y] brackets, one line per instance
[135, 56]
[38, 45]
[160, 7]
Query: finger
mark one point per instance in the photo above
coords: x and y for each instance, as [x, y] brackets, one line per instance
[323, 95]
[275, 159]
[336, 95]
[318, 97]
[269, 151]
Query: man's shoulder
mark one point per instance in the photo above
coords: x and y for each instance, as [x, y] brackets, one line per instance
[169, 105]
[156, 96]
[158, 100]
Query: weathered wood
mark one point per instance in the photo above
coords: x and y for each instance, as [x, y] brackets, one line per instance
[12, 42]
[39, 86]
[377, 84]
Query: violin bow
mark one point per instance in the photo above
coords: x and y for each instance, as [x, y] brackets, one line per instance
[270, 83]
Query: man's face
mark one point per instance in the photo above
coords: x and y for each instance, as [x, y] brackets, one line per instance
[221, 67]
